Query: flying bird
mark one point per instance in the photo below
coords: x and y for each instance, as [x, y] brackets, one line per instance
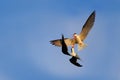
[74, 58]
[78, 38]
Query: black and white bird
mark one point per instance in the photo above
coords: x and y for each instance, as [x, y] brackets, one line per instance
[74, 58]
[78, 38]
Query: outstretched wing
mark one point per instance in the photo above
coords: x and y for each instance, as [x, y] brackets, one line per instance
[87, 26]
[64, 46]
[57, 42]
[73, 60]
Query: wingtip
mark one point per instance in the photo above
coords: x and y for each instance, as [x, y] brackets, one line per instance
[80, 65]
[94, 12]
[51, 42]
[62, 36]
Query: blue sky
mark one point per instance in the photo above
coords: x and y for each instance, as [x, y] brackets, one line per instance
[27, 26]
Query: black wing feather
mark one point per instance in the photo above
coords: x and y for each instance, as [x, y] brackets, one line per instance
[64, 46]
[73, 60]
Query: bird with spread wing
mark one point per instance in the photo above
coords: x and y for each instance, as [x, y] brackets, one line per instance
[74, 55]
[78, 38]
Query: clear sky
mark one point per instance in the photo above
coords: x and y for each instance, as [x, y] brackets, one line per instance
[27, 26]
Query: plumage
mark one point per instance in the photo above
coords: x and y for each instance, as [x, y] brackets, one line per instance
[78, 39]
[74, 54]
[74, 58]
[87, 26]
[57, 42]
[64, 46]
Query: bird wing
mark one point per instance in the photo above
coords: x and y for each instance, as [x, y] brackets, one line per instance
[87, 26]
[64, 46]
[73, 60]
[57, 42]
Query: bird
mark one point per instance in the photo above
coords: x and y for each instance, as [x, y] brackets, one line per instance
[78, 38]
[74, 58]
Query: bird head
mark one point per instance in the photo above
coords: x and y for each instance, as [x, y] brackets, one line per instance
[74, 35]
